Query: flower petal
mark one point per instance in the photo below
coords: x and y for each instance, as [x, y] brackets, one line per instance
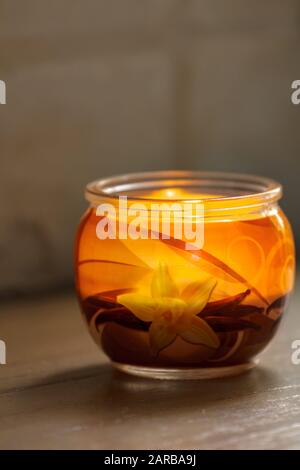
[199, 332]
[171, 304]
[160, 336]
[162, 284]
[142, 306]
[197, 294]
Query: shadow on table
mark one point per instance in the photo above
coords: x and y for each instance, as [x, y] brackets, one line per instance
[147, 397]
[110, 394]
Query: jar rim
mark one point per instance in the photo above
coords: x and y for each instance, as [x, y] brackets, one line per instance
[246, 190]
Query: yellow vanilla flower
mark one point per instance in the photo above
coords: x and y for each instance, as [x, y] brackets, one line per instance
[172, 313]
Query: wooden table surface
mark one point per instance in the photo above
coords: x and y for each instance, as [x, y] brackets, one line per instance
[57, 391]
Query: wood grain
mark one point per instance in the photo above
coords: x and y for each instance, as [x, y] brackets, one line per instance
[58, 391]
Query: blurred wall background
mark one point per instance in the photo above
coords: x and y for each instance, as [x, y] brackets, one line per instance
[101, 87]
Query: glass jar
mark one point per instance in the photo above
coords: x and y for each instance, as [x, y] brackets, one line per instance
[184, 274]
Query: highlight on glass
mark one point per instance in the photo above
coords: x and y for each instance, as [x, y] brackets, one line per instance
[184, 274]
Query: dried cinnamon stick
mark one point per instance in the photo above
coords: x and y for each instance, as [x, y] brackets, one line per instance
[122, 316]
[225, 305]
[225, 324]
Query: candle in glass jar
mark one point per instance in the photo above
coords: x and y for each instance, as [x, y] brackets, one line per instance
[154, 304]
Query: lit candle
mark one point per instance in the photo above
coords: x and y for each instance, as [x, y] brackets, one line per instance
[160, 304]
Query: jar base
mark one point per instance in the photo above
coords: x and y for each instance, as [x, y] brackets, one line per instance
[184, 373]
